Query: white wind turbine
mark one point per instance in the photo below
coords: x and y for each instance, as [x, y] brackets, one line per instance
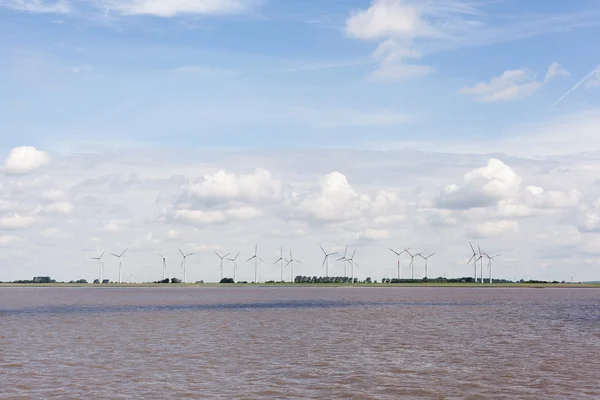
[184, 264]
[426, 260]
[255, 257]
[101, 265]
[474, 259]
[292, 261]
[490, 259]
[481, 264]
[398, 261]
[345, 261]
[326, 261]
[120, 257]
[221, 265]
[412, 262]
[352, 264]
[164, 267]
[281, 260]
[235, 267]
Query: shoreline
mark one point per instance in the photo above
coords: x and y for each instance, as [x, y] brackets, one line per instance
[314, 285]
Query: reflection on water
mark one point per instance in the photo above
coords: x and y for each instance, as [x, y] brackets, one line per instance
[325, 343]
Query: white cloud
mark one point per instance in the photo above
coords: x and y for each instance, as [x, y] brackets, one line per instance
[373, 235]
[6, 241]
[22, 160]
[38, 6]
[202, 217]
[512, 84]
[170, 8]
[223, 186]
[60, 207]
[54, 195]
[483, 187]
[398, 24]
[337, 200]
[494, 229]
[16, 221]
[555, 71]
[111, 227]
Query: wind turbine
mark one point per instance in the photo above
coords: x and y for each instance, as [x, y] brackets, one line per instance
[164, 267]
[255, 257]
[412, 262]
[281, 260]
[398, 254]
[326, 261]
[183, 264]
[221, 266]
[233, 260]
[345, 260]
[292, 261]
[101, 265]
[490, 259]
[426, 259]
[352, 264]
[474, 259]
[120, 257]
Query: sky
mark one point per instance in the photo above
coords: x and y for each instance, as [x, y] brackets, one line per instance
[213, 125]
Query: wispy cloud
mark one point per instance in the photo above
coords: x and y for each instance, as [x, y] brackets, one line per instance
[170, 8]
[512, 84]
[592, 76]
[38, 6]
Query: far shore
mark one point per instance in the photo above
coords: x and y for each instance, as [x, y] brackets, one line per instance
[297, 285]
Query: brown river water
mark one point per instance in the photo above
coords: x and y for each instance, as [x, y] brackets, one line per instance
[304, 343]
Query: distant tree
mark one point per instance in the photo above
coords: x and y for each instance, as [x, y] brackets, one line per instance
[368, 280]
[227, 280]
[175, 280]
[96, 281]
[105, 281]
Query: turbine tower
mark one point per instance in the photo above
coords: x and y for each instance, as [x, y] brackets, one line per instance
[255, 257]
[412, 262]
[292, 261]
[481, 263]
[345, 260]
[426, 259]
[235, 267]
[281, 260]
[398, 264]
[120, 257]
[101, 265]
[221, 265]
[183, 264]
[326, 261]
[164, 267]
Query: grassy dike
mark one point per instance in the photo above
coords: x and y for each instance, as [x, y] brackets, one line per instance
[282, 285]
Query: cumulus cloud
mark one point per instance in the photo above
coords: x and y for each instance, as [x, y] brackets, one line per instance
[22, 160]
[482, 187]
[373, 235]
[54, 195]
[337, 200]
[60, 207]
[223, 196]
[16, 221]
[6, 241]
[494, 229]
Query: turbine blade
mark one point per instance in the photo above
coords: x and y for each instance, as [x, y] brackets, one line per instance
[181, 251]
[280, 258]
[102, 255]
[238, 254]
[324, 252]
[288, 263]
[340, 259]
[394, 251]
[471, 259]
[251, 258]
[191, 254]
[325, 259]
[261, 260]
[472, 247]
[115, 255]
[124, 251]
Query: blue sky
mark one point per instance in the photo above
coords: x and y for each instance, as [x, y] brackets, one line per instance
[279, 73]
[151, 123]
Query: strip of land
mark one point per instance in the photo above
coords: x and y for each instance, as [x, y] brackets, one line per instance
[296, 285]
